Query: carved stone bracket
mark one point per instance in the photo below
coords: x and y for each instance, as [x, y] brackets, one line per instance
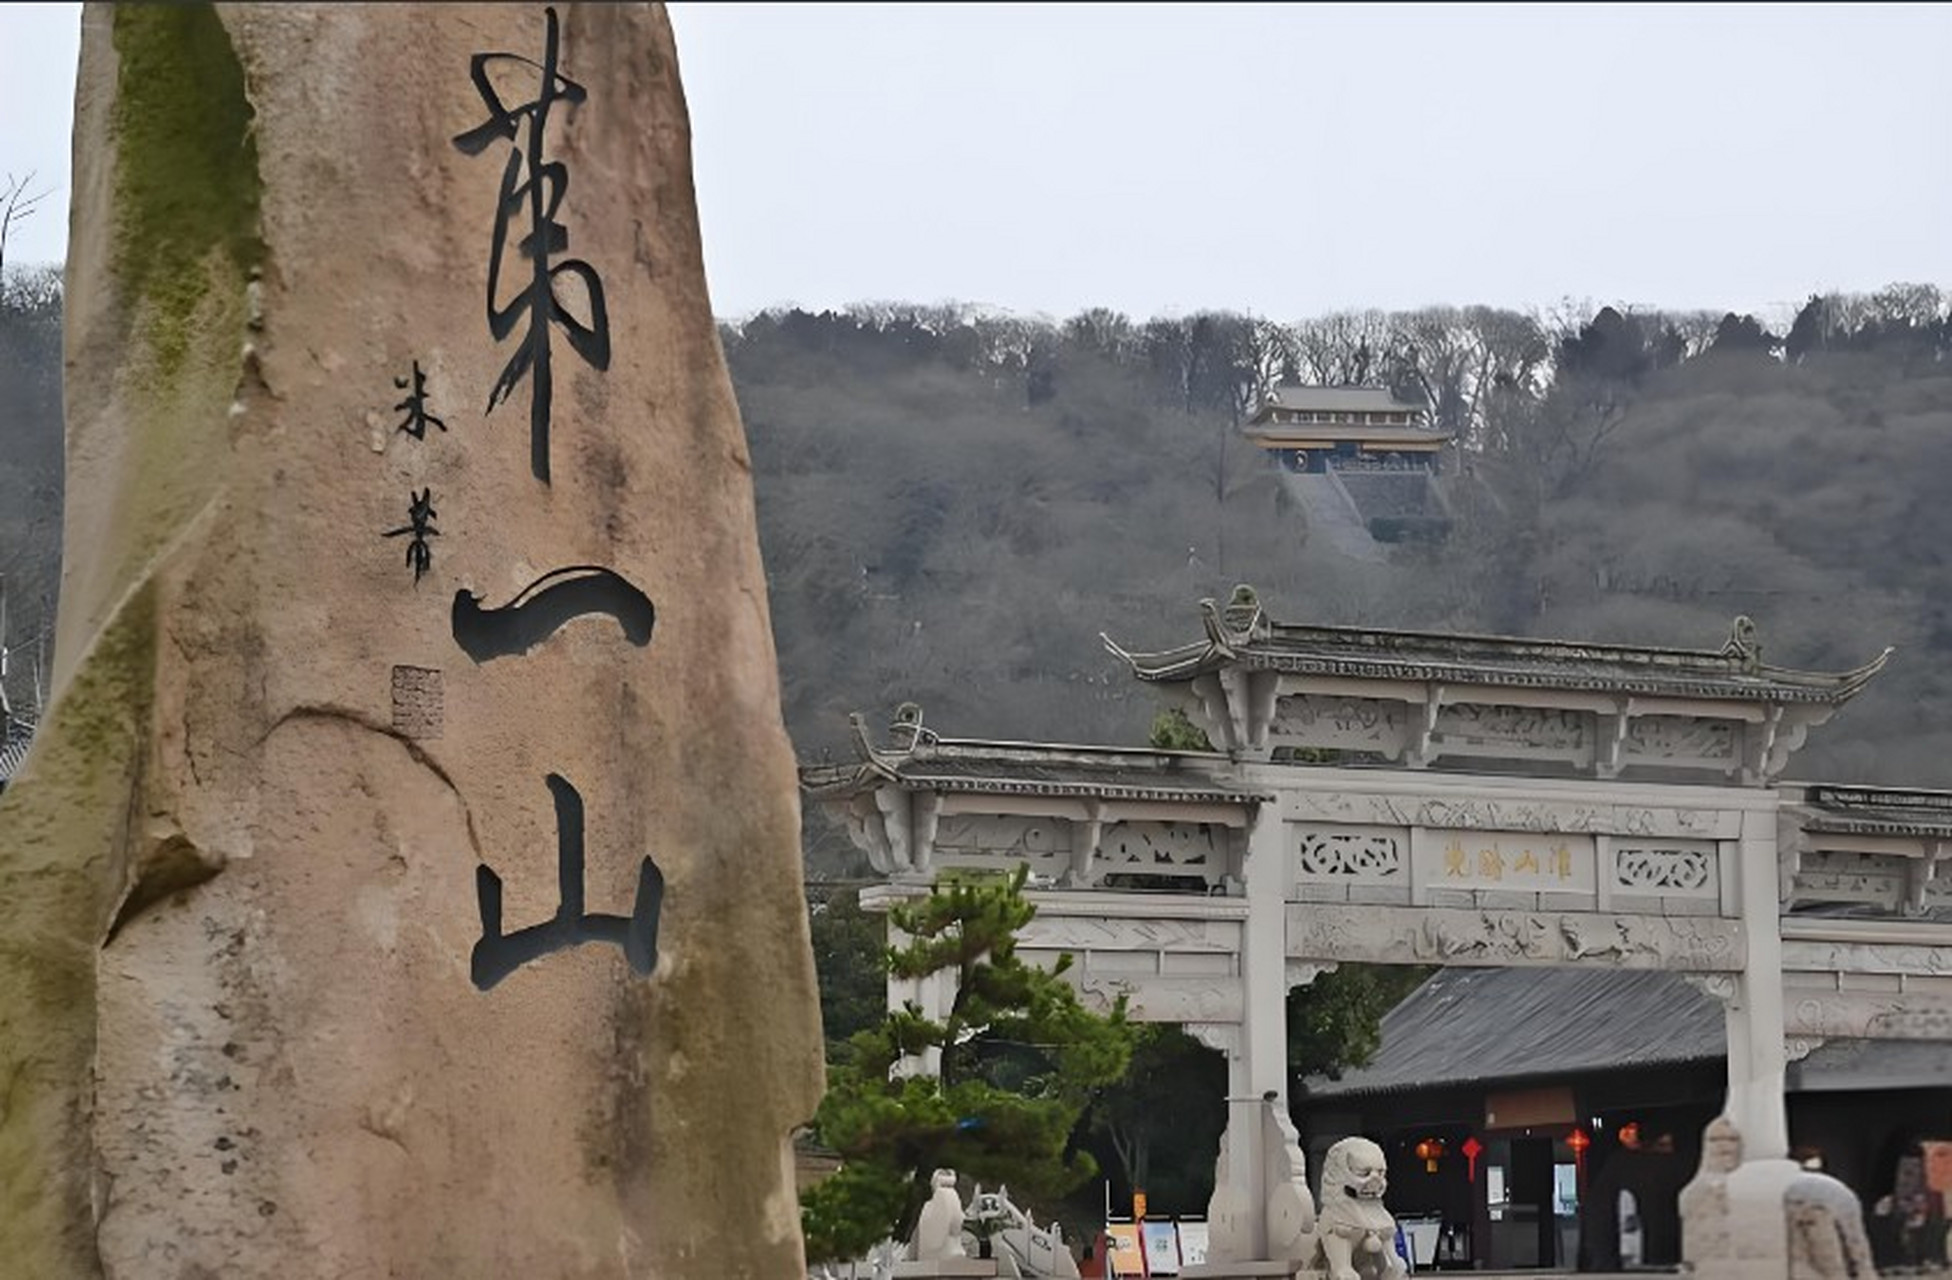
[1919, 875]
[869, 832]
[1421, 749]
[1716, 986]
[1302, 973]
[1612, 739]
[1760, 744]
[1085, 838]
[1797, 1048]
[1214, 718]
[1222, 1036]
[896, 825]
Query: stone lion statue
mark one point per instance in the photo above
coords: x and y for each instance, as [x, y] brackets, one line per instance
[1355, 1234]
[1738, 1213]
[1826, 1230]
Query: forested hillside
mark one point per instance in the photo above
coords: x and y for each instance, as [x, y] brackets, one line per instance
[30, 472]
[954, 505]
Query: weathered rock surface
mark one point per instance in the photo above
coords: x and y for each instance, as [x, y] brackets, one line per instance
[248, 1025]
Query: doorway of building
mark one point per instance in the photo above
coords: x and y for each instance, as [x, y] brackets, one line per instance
[1531, 1202]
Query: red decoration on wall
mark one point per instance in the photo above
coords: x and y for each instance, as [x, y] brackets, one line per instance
[1472, 1149]
[1579, 1140]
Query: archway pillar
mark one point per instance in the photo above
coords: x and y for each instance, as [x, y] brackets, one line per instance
[1261, 1208]
[1756, 1056]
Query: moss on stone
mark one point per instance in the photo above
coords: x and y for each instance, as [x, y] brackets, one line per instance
[62, 827]
[187, 181]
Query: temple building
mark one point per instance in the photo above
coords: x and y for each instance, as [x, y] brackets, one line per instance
[1363, 464]
[1312, 429]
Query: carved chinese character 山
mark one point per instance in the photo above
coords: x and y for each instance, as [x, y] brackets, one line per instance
[406, 880]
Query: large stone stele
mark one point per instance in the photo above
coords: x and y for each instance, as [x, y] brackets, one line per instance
[242, 878]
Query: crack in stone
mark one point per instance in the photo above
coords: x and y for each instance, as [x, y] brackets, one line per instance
[415, 752]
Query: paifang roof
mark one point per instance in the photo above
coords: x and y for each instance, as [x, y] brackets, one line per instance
[1242, 636]
[1466, 1026]
[921, 761]
[1883, 811]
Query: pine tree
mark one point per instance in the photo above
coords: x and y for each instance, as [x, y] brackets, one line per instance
[1021, 1059]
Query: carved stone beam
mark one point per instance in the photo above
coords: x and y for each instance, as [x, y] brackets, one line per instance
[1424, 728]
[1611, 740]
[1086, 835]
[1823, 1013]
[1797, 1048]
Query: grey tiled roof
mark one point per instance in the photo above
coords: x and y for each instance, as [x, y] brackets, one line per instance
[1878, 811]
[1509, 661]
[1340, 400]
[950, 765]
[1471, 1026]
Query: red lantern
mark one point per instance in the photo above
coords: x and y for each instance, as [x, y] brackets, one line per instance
[1430, 1151]
[1579, 1140]
[1472, 1149]
[1630, 1135]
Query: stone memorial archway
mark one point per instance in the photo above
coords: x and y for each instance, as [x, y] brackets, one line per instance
[1620, 811]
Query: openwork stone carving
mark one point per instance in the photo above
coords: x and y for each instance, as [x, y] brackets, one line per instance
[1165, 846]
[1657, 869]
[1350, 853]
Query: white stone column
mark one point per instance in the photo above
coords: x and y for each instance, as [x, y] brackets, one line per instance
[1264, 957]
[1755, 1016]
[1735, 1018]
[1260, 1070]
[932, 994]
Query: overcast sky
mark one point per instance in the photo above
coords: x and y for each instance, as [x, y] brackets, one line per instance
[1284, 160]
